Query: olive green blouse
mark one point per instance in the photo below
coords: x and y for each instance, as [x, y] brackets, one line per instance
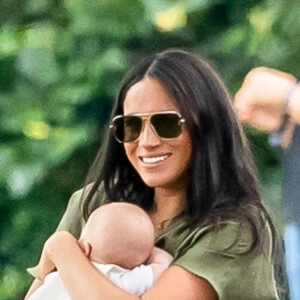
[218, 256]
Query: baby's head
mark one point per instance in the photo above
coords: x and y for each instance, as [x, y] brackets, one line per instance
[118, 233]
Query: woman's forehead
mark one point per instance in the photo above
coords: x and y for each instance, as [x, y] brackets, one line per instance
[148, 95]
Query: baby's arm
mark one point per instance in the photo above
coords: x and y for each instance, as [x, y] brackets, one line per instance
[159, 260]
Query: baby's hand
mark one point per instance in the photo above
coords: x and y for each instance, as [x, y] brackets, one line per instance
[159, 260]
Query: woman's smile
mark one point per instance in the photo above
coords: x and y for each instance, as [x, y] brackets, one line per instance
[154, 159]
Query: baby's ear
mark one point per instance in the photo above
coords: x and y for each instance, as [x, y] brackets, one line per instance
[85, 247]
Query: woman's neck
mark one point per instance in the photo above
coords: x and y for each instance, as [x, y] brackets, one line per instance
[168, 202]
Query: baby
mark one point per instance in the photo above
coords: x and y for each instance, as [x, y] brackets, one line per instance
[118, 238]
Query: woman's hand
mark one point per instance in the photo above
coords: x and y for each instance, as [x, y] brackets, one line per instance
[159, 256]
[45, 265]
[159, 260]
[259, 102]
[52, 248]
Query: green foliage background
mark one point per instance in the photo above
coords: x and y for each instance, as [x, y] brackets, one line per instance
[61, 63]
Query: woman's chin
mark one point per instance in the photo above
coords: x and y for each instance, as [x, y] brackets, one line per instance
[159, 182]
[153, 182]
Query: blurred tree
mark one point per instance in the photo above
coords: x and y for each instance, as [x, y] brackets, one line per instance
[61, 63]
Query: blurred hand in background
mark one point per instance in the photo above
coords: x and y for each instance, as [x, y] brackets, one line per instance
[260, 100]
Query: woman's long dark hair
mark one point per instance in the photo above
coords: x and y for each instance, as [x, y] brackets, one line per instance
[223, 181]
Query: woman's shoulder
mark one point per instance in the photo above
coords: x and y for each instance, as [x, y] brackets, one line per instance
[223, 255]
[78, 197]
[233, 236]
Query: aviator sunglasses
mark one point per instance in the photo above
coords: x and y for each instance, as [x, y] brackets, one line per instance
[166, 124]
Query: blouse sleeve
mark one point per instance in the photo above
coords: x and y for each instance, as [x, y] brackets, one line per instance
[222, 258]
[72, 220]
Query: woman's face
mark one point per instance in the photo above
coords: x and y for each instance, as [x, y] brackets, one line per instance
[159, 162]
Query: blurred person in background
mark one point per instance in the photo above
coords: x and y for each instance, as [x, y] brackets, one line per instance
[178, 151]
[269, 100]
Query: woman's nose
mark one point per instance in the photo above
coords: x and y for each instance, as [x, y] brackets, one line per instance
[148, 137]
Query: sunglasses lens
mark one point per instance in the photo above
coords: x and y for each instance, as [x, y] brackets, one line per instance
[128, 128]
[167, 125]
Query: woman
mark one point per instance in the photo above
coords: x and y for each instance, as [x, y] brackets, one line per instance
[178, 152]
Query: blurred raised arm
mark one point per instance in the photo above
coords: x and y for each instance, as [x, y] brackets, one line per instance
[260, 100]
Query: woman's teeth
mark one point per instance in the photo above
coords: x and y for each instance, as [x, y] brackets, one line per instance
[152, 160]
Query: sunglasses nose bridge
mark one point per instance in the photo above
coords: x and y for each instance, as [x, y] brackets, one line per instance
[148, 134]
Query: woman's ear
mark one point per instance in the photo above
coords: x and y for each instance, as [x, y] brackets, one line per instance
[85, 247]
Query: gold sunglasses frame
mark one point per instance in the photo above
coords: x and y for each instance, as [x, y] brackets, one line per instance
[146, 117]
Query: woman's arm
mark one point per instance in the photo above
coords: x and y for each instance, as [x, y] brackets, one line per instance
[34, 286]
[70, 222]
[44, 267]
[159, 261]
[83, 280]
[177, 283]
